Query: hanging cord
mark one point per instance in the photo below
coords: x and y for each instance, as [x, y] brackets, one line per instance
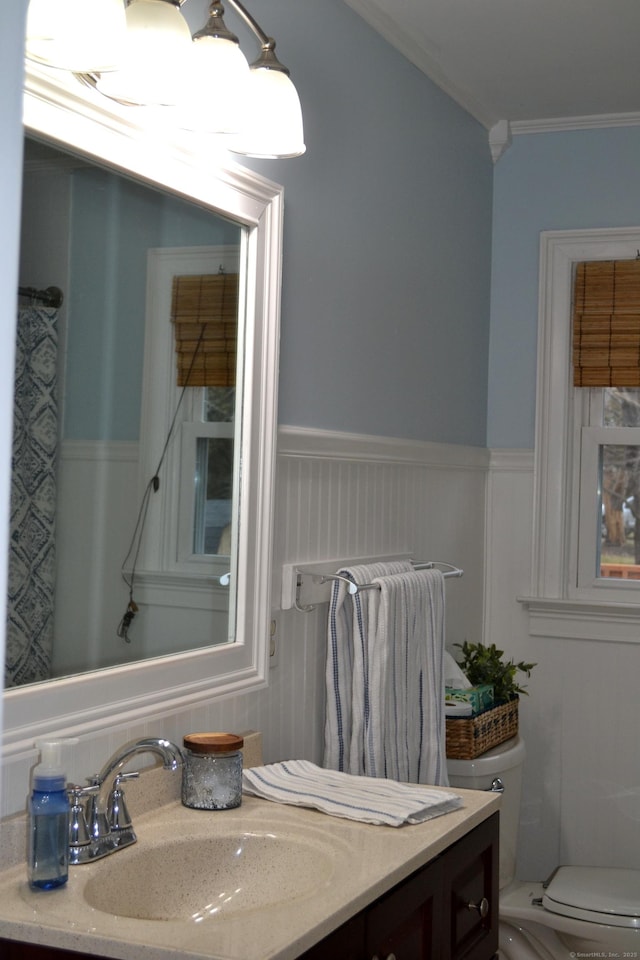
[152, 487]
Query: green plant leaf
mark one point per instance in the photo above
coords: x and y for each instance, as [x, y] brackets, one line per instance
[485, 664]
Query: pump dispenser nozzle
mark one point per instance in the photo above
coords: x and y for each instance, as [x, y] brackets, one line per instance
[50, 774]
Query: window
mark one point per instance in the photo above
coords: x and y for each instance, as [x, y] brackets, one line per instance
[608, 476]
[207, 470]
[204, 316]
[606, 374]
[586, 465]
[190, 532]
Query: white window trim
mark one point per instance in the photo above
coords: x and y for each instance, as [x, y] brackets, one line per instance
[554, 608]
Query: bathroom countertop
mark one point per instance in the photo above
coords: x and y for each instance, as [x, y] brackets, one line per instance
[369, 861]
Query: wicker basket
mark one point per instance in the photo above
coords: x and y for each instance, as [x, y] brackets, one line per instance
[469, 737]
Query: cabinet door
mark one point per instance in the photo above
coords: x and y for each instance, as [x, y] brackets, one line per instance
[13, 950]
[471, 891]
[406, 923]
[345, 943]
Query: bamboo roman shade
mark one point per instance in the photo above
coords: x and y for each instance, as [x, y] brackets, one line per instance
[606, 324]
[204, 312]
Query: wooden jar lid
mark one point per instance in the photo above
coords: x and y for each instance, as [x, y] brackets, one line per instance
[212, 742]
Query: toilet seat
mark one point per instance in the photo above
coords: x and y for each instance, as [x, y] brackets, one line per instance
[598, 894]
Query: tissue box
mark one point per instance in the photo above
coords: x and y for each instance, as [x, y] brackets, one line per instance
[480, 697]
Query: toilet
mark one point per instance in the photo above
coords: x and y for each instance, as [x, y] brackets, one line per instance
[590, 912]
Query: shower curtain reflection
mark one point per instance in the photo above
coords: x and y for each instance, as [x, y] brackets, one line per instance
[33, 499]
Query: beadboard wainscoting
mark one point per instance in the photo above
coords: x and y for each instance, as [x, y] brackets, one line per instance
[99, 497]
[342, 496]
[338, 496]
[97, 507]
[581, 789]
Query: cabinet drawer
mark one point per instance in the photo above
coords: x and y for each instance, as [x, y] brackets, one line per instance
[471, 885]
[405, 923]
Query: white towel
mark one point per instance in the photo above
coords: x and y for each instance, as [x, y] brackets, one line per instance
[370, 800]
[347, 664]
[405, 737]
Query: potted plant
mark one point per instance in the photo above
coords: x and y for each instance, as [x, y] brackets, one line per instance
[469, 737]
[482, 664]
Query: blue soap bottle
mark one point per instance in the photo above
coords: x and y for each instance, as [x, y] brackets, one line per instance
[49, 810]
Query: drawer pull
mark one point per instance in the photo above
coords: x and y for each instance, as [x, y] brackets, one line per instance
[482, 907]
[390, 956]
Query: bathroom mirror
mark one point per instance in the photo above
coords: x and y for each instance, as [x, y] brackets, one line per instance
[72, 118]
[88, 586]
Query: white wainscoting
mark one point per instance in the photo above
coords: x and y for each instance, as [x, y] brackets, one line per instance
[581, 796]
[338, 495]
[343, 496]
[98, 504]
[97, 507]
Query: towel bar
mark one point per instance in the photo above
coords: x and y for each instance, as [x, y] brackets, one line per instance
[304, 585]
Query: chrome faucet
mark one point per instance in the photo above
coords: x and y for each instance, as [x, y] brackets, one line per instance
[102, 825]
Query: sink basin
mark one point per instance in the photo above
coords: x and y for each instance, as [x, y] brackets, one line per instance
[207, 876]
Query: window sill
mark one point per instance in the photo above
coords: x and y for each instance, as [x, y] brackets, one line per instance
[583, 619]
[182, 590]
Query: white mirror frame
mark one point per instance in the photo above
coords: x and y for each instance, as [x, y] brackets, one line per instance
[66, 113]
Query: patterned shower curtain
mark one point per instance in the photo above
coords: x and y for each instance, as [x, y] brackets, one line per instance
[33, 499]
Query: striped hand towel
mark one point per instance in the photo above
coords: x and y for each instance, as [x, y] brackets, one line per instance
[368, 799]
[405, 736]
[347, 664]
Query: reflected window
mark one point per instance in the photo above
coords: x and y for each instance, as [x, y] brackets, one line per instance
[192, 340]
[204, 315]
[213, 481]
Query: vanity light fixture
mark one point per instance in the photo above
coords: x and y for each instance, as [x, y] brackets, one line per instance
[64, 34]
[142, 53]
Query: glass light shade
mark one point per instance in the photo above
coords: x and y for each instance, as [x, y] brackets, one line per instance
[274, 117]
[214, 92]
[156, 55]
[84, 36]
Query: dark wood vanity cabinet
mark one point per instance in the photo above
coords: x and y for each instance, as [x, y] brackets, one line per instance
[12, 950]
[447, 910]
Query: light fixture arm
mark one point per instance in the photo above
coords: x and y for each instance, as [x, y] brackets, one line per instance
[267, 58]
[250, 21]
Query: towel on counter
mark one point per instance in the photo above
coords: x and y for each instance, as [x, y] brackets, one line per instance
[368, 799]
[347, 666]
[405, 734]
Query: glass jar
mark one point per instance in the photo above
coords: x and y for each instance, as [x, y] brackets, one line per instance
[212, 771]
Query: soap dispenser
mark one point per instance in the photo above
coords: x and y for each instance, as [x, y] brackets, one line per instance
[49, 808]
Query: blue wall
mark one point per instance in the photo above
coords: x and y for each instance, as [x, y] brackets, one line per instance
[385, 306]
[114, 222]
[546, 181]
[386, 274]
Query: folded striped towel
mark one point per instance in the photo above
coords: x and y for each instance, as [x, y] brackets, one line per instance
[369, 799]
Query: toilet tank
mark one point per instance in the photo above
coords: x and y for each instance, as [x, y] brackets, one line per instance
[504, 763]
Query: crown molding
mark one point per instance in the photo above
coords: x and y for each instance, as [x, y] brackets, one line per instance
[560, 124]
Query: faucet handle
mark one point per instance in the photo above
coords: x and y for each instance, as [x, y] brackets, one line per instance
[78, 830]
[118, 815]
[97, 822]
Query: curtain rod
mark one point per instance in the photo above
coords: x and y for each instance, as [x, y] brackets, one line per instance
[51, 297]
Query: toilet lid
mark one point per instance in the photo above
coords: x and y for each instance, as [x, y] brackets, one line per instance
[597, 894]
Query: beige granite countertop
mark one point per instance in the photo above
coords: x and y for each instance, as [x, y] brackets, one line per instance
[368, 861]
